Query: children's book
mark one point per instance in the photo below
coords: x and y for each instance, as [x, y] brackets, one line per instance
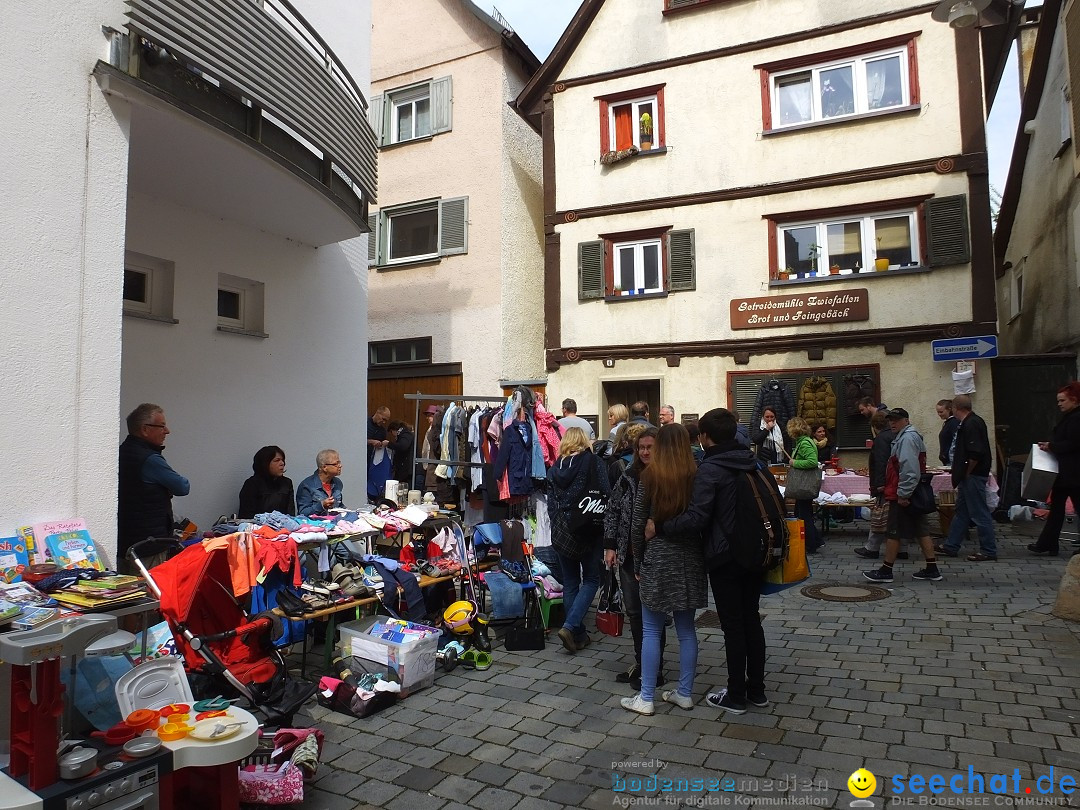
[34, 617]
[25, 594]
[72, 549]
[14, 558]
[40, 532]
[33, 550]
[8, 611]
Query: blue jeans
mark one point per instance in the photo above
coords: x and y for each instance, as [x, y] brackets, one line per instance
[580, 581]
[971, 508]
[652, 626]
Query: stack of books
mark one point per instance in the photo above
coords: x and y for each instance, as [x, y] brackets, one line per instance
[104, 593]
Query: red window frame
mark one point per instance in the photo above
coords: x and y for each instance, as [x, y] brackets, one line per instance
[607, 101]
[777, 221]
[766, 70]
[612, 239]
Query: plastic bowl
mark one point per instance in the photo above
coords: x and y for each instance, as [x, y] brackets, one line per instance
[142, 746]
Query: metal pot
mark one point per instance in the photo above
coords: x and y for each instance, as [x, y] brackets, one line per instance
[77, 763]
[142, 746]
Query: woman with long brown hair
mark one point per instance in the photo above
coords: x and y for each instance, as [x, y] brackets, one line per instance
[670, 568]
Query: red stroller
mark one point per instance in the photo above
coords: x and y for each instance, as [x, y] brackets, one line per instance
[223, 650]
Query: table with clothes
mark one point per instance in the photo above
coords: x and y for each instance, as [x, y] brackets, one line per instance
[843, 490]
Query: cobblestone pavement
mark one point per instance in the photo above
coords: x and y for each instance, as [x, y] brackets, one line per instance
[972, 672]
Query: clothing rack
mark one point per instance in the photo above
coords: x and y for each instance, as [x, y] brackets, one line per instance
[417, 398]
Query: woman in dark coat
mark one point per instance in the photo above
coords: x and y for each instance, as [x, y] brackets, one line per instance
[1065, 447]
[772, 445]
[880, 451]
[268, 490]
[569, 481]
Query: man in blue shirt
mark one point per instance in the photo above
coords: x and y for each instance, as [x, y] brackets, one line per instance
[147, 482]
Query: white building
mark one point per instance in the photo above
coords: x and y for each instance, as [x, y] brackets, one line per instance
[187, 193]
[456, 271]
[723, 145]
[1037, 239]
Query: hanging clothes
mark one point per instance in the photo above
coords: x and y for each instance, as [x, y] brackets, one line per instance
[449, 441]
[515, 459]
[857, 386]
[776, 395]
[817, 402]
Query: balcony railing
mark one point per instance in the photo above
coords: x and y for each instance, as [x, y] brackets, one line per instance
[265, 53]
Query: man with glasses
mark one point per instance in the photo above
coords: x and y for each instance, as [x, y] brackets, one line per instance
[321, 491]
[147, 482]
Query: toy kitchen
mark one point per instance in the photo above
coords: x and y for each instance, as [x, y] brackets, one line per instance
[122, 769]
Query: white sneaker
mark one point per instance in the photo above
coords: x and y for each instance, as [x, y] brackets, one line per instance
[636, 704]
[671, 696]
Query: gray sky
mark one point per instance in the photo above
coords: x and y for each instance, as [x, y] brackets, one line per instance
[541, 24]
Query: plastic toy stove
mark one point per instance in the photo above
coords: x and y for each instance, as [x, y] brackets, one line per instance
[119, 781]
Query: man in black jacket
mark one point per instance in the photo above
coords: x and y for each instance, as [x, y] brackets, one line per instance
[735, 589]
[970, 475]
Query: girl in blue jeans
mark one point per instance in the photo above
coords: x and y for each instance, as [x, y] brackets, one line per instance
[670, 568]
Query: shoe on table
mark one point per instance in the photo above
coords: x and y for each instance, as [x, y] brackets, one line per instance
[567, 639]
[883, 575]
[630, 675]
[636, 704]
[724, 700]
[671, 696]
[928, 575]
[866, 553]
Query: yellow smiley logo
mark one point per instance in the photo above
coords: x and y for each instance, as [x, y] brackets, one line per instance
[861, 783]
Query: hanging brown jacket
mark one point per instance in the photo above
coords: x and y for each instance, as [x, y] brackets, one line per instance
[817, 402]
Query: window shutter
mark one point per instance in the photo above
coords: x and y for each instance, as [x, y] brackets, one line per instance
[947, 231]
[453, 226]
[375, 118]
[373, 239]
[590, 269]
[442, 103]
[682, 273]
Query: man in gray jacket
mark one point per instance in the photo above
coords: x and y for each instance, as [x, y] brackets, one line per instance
[906, 464]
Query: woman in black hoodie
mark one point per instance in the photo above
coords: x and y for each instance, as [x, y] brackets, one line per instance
[268, 490]
[569, 479]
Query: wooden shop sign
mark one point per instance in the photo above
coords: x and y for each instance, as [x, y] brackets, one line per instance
[800, 310]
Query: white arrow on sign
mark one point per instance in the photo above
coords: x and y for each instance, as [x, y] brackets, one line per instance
[982, 347]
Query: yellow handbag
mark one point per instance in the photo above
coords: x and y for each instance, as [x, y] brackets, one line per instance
[794, 568]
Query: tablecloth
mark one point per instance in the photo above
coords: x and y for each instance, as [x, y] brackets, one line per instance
[848, 483]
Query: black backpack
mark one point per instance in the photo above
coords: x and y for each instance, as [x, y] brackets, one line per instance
[761, 535]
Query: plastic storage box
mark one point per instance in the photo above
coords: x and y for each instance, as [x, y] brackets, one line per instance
[414, 661]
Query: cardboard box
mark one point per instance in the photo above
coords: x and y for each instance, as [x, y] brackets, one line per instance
[1040, 470]
[413, 661]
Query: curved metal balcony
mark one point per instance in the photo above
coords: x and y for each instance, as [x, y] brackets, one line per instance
[256, 70]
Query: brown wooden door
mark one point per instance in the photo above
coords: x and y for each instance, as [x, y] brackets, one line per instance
[392, 394]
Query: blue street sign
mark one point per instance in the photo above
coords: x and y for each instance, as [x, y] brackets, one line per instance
[967, 348]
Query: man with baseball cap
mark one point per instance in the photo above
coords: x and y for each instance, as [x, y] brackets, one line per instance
[907, 463]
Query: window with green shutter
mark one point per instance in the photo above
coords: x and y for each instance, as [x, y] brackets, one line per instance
[646, 263]
[420, 231]
[591, 270]
[414, 112]
[947, 231]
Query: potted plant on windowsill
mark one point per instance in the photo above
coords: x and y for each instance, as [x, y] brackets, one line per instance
[834, 270]
[784, 274]
[814, 249]
[645, 126]
[881, 263]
